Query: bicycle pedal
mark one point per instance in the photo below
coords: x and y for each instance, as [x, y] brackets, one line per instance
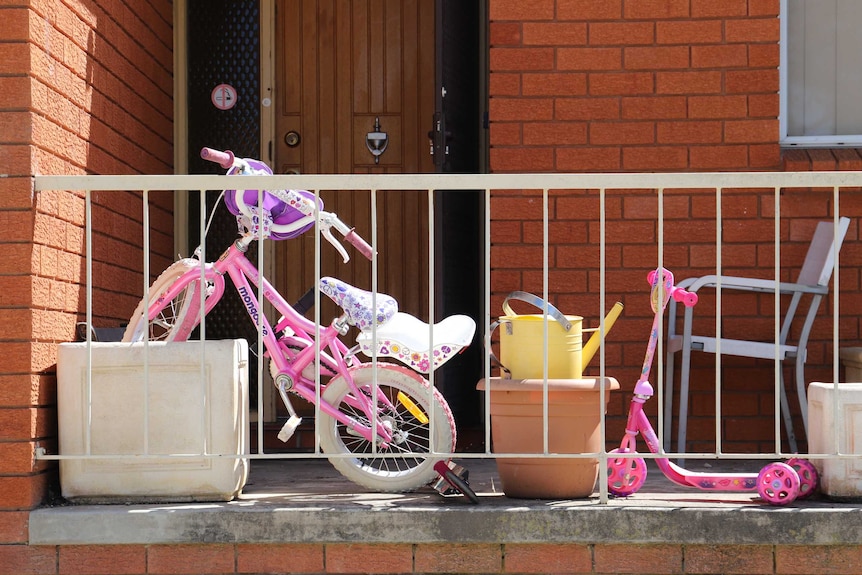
[441, 485]
[289, 428]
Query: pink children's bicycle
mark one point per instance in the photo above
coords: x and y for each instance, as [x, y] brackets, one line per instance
[381, 424]
[777, 483]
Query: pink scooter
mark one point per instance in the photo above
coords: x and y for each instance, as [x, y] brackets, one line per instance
[777, 483]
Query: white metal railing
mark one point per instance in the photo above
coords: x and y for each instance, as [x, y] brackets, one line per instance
[832, 182]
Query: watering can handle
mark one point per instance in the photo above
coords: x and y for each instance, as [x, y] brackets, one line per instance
[509, 312]
[507, 373]
[537, 302]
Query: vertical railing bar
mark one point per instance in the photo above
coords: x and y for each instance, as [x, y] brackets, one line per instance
[145, 200]
[374, 288]
[660, 342]
[261, 417]
[202, 214]
[486, 355]
[88, 209]
[836, 302]
[718, 301]
[603, 458]
[261, 267]
[317, 326]
[431, 295]
[546, 320]
[777, 382]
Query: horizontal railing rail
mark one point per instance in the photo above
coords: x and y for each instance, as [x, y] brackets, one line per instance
[618, 181]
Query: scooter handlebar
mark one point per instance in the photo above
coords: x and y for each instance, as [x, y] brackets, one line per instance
[679, 295]
[687, 298]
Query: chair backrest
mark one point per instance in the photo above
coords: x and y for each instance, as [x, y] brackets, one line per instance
[816, 270]
[820, 259]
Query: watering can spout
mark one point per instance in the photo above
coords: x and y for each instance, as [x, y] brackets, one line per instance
[595, 340]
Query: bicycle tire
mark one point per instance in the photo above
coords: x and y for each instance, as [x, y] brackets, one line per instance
[403, 466]
[177, 317]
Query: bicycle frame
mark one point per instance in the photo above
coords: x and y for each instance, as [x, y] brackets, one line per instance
[247, 280]
[365, 409]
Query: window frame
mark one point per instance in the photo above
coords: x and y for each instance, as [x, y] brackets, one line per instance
[785, 140]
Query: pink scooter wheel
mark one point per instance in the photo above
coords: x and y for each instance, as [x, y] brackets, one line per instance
[809, 480]
[625, 475]
[778, 484]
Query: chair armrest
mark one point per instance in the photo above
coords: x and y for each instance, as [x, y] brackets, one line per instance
[749, 284]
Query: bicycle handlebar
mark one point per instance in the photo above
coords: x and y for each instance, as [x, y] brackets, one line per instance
[326, 220]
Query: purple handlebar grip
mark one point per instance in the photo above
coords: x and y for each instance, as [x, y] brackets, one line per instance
[224, 159]
[360, 244]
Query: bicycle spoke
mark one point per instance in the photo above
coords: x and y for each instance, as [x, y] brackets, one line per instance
[414, 435]
[405, 462]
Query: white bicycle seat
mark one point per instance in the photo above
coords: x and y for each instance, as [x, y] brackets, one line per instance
[357, 303]
[408, 339]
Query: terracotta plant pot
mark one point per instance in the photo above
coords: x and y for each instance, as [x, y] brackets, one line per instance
[574, 426]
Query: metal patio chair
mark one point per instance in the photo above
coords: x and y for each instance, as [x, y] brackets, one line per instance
[813, 280]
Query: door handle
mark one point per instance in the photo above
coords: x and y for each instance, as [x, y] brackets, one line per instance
[439, 137]
[292, 139]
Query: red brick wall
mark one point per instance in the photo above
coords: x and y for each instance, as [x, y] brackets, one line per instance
[429, 558]
[655, 85]
[86, 87]
[634, 85]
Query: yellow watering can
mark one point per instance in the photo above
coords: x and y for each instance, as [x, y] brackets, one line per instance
[522, 340]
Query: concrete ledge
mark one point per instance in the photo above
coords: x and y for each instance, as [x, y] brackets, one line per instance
[311, 505]
[593, 524]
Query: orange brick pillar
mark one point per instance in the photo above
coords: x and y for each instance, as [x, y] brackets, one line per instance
[27, 415]
[85, 88]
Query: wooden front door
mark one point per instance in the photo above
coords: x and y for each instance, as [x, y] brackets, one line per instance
[345, 69]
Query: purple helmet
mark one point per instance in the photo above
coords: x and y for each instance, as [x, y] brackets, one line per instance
[239, 201]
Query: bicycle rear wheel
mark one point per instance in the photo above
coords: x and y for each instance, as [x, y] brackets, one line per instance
[177, 317]
[407, 463]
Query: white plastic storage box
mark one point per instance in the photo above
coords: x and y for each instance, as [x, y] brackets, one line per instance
[839, 478]
[194, 401]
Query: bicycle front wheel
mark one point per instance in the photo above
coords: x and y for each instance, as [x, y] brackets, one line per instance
[407, 463]
[177, 317]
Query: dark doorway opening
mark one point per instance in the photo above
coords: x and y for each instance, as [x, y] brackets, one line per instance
[457, 138]
[223, 38]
